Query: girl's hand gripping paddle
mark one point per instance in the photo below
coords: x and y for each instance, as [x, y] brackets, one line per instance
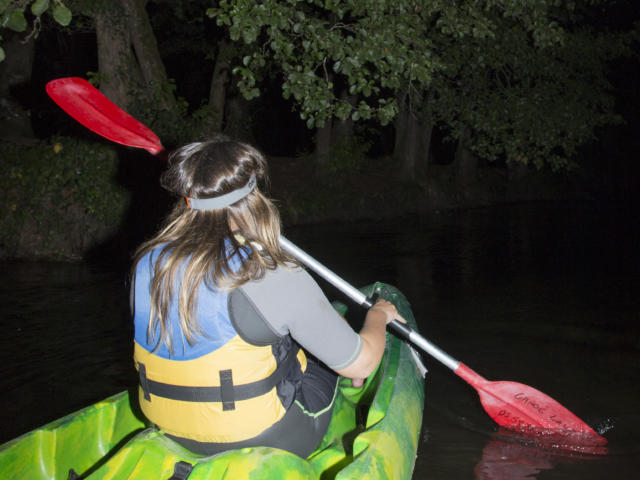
[512, 405]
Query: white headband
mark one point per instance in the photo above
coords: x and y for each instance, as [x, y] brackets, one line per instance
[222, 201]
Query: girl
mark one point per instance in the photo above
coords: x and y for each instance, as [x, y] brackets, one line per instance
[232, 337]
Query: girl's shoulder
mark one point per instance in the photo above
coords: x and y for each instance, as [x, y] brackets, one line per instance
[283, 280]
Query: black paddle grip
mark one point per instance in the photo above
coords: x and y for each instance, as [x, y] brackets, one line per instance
[400, 329]
[370, 301]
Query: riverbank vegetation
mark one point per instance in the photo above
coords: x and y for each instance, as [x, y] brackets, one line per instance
[366, 109]
[59, 198]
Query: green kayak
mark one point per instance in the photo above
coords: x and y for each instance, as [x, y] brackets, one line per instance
[373, 434]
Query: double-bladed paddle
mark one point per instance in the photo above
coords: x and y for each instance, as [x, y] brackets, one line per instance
[512, 405]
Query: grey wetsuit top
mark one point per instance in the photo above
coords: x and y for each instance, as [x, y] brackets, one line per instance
[289, 301]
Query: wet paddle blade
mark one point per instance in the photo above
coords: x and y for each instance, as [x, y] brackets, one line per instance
[87, 105]
[523, 408]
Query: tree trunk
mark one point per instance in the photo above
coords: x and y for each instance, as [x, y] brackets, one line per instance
[323, 143]
[400, 126]
[412, 145]
[465, 162]
[343, 129]
[238, 125]
[146, 48]
[405, 146]
[15, 71]
[218, 90]
[116, 62]
[325, 138]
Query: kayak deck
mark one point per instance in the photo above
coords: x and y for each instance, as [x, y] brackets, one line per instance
[373, 434]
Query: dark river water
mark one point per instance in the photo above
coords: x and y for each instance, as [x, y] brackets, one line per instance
[543, 294]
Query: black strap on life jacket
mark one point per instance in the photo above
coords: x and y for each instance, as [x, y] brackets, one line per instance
[227, 396]
[227, 392]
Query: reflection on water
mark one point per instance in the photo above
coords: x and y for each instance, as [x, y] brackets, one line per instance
[545, 295]
[512, 456]
[503, 460]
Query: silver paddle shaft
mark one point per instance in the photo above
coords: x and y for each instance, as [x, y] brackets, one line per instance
[360, 298]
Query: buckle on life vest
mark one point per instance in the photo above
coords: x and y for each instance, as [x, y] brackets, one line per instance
[227, 393]
[226, 390]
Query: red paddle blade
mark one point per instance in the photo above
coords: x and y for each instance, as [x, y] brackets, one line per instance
[87, 105]
[522, 408]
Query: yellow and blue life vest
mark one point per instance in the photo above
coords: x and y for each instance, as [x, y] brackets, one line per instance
[225, 387]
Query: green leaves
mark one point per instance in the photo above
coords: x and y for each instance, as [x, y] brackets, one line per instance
[62, 14]
[14, 20]
[322, 56]
[39, 7]
[13, 16]
[526, 103]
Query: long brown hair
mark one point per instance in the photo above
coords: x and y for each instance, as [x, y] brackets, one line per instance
[199, 245]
